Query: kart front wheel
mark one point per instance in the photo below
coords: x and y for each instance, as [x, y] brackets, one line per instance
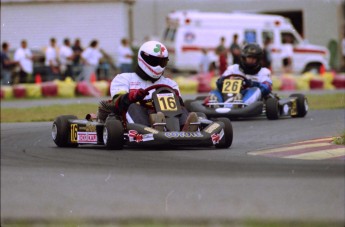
[113, 134]
[61, 131]
[226, 141]
[272, 109]
[302, 105]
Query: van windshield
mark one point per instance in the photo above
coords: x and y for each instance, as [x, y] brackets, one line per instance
[169, 34]
[288, 37]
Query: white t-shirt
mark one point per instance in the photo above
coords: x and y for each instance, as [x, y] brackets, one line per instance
[51, 56]
[65, 53]
[262, 76]
[122, 52]
[287, 51]
[124, 82]
[91, 56]
[23, 56]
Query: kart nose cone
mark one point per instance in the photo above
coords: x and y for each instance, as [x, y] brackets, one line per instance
[223, 110]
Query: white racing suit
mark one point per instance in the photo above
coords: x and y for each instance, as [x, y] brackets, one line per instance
[123, 83]
[262, 84]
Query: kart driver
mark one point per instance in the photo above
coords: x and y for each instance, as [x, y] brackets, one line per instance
[257, 81]
[127, 89]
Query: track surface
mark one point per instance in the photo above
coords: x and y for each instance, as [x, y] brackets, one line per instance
[41, 181]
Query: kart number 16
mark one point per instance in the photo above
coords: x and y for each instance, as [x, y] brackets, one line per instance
[167, 102]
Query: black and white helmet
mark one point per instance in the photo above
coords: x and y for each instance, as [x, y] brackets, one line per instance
[251, 50]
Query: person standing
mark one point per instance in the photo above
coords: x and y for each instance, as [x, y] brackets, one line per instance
[204, 62]
[235, 50]
[222, 53]
[77, 50]
[287, 53]
[51, 61]
[343, 51]
[7, 65]
[267, 53]
[90, 57]
[66, 58]
[24, 56]
[125, 53]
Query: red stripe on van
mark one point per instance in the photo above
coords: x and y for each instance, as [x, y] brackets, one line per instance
[297, 50]
[195, 48]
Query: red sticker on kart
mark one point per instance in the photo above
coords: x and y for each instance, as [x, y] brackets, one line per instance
[87, 137]
[134, 136]
[216, 137]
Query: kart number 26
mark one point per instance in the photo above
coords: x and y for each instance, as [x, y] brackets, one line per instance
[167, 102]
[231, 86]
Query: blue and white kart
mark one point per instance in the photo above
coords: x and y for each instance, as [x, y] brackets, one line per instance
[116, 132]
[233, 107]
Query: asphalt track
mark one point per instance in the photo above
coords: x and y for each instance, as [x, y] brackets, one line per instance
[42, 182]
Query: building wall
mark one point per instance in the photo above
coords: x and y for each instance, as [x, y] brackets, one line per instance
[38, 22]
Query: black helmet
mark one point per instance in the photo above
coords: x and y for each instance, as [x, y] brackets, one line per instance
[251, 50]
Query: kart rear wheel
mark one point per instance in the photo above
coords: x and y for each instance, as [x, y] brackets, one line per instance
[113, 134]
[226, 141]
[302, 105]
[61, 131]
[272, 109]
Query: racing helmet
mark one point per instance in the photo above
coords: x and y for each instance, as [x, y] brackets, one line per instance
[153, 58]
[251, 50]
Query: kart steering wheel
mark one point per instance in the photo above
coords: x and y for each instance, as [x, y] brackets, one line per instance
[156, 86]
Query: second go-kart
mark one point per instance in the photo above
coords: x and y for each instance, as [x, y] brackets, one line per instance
[274, 107]
[115, 132]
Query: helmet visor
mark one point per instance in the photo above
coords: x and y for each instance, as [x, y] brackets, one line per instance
[153, 60]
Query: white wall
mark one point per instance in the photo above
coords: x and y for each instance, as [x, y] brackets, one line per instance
[38, 22]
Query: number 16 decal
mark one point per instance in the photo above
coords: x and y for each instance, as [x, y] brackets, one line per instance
[167, 102]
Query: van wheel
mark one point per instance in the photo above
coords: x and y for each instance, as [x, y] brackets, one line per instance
[226, 141]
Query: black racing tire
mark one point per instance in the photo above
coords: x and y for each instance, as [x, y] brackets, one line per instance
[272, 109]
[61, 131]
[113, 137]
[302, 105]
[226, 141]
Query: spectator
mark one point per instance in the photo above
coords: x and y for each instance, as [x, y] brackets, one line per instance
[66, 59]
[287, 53]
[24, 56]
[267, 53]
[51, 61]
[343, 51]
[235, 50]
[204, 62]
[222, 56]
[91, 57]
[77, 50]
[125, 56]
[7, 65]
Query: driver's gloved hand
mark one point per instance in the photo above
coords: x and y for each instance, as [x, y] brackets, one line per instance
[137, 95]
[248, 82]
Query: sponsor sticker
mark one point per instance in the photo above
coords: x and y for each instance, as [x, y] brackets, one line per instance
[154, 131]
[212, 127]
[134, 136]
[183, 134]
[87, 137]
[216, 137]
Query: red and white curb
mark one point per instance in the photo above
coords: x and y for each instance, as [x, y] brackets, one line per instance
[317, 149]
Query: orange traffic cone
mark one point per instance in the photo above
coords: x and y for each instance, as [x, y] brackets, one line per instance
[38, 78]
[93, 78]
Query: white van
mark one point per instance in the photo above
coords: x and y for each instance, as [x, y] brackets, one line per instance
[187, 32]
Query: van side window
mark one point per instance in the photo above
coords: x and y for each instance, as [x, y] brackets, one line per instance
[250, 36]
[288, 37]
[267, 35]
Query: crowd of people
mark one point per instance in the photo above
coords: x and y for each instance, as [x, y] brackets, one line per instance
[232, 55]
[60, 62]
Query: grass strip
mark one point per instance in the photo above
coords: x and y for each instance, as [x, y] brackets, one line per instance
[49, 113]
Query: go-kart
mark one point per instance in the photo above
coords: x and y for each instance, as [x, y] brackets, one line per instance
[274, 107]
[115, 132]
